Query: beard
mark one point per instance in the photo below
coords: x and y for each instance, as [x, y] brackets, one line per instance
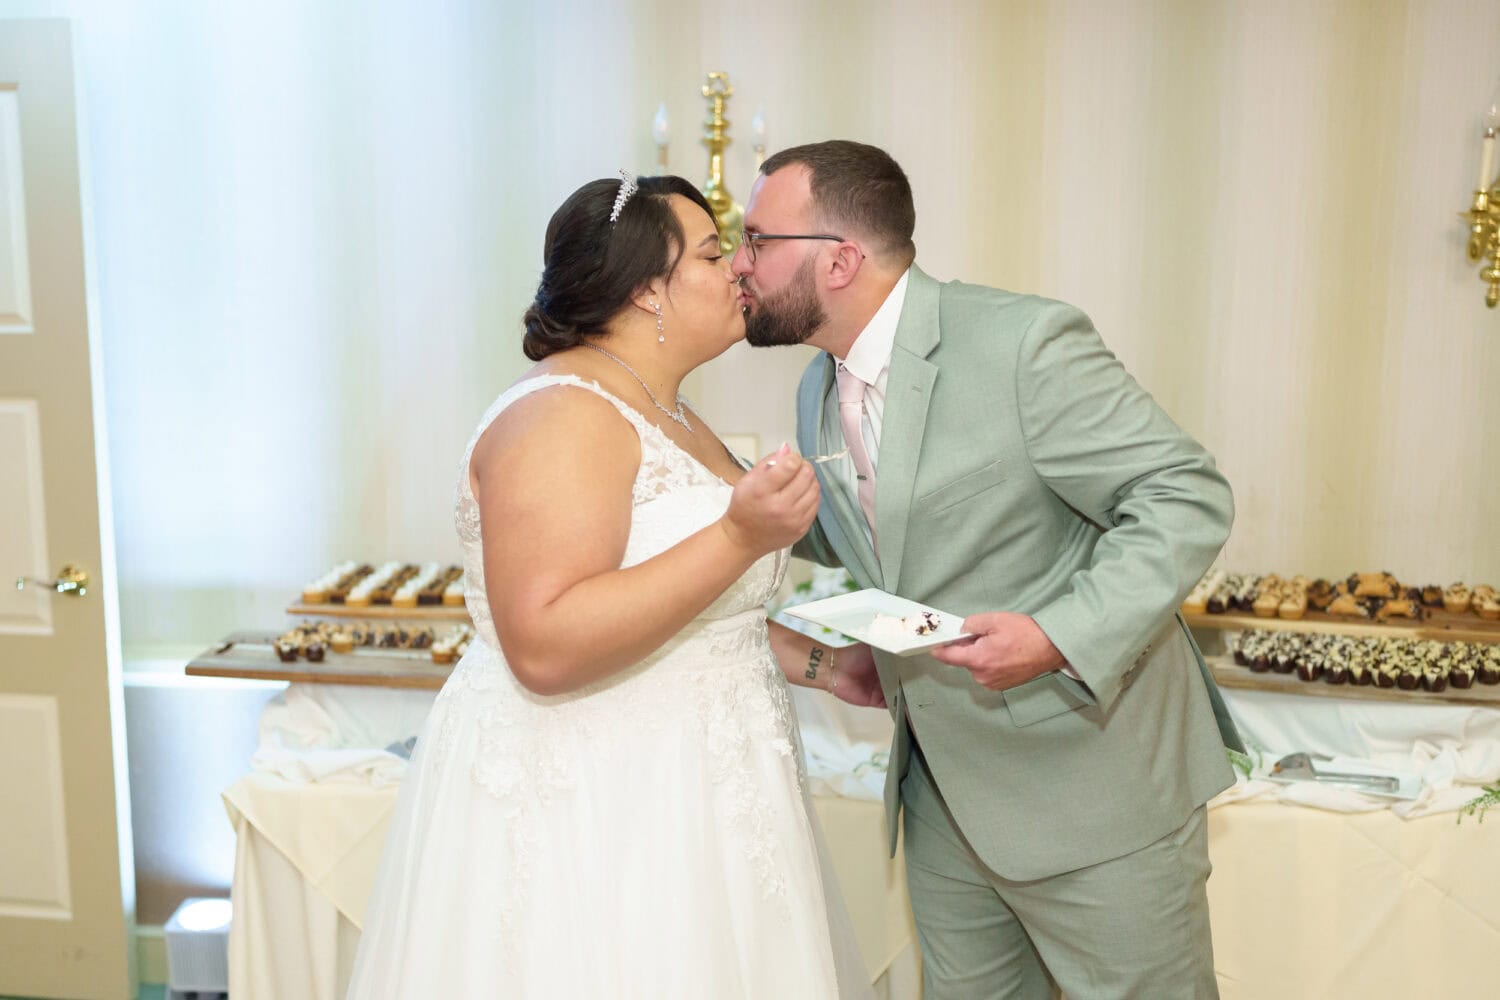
[789, 316]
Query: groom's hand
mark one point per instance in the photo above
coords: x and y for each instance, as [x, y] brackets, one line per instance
[1007, 650]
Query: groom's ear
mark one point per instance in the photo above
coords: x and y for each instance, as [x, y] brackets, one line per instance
[847, 259]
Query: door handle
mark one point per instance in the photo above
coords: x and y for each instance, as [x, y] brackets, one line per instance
[70, 580]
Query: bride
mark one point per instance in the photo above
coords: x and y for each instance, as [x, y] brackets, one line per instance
[608, 799]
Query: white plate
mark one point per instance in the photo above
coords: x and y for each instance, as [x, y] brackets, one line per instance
[827, 636]
[851, 615]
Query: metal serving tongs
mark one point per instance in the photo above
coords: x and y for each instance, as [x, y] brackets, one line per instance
[1299, 767]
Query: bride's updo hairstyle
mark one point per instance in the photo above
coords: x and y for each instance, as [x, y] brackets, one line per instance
[592, 267]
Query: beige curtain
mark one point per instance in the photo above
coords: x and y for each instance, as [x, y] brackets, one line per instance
[317, 226]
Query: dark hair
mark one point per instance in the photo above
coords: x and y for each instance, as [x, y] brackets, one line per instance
[858, 187]
[592, 267]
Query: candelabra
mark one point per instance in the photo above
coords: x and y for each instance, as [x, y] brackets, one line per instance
[729, 215]
[1484, 215]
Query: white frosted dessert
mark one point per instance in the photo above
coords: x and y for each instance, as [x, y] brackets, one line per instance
[891, 628]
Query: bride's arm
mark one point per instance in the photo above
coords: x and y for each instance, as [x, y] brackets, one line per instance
[847, 672]
[553, 478]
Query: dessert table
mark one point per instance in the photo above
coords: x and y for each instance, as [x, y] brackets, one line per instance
[1316, 892]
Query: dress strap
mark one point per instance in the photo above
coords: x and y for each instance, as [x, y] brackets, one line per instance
[531, 385]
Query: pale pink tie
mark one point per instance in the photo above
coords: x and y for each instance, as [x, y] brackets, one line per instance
[851, 419]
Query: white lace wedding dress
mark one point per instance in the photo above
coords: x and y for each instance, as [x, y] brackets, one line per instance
[649, 836]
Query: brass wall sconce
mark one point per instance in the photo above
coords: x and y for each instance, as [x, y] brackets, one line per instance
[728, 213]
[1484, 216]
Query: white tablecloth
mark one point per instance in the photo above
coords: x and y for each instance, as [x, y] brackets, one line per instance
[1343, 895]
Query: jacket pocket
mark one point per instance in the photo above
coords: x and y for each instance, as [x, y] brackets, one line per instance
[963, 488]
[1041, 698]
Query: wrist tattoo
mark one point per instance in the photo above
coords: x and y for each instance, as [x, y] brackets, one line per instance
[814, 659]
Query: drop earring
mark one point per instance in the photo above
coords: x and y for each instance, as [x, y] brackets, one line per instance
[661, 338]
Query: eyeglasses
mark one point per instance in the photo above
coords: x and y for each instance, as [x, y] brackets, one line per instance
[749, 240]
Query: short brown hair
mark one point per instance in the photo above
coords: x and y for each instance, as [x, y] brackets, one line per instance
[857, 186]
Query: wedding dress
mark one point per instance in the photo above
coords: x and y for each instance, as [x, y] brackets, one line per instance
[648, 836]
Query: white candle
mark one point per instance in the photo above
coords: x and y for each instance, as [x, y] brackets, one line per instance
[758, 126]
[1487, 150]
[660, 128]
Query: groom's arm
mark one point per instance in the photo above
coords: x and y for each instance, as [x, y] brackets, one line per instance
[1104, 446]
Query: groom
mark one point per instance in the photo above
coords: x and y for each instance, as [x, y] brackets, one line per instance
[1004, 466]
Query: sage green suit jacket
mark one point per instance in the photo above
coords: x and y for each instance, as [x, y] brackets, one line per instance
[1021, 468]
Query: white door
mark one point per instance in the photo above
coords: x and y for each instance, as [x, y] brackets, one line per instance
[64, 865]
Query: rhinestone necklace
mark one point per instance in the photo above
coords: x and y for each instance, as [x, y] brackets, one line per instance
[678, 415]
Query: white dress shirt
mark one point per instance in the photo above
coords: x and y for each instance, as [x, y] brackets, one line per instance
[869, 359]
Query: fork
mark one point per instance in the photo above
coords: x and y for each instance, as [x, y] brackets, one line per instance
[818, 459]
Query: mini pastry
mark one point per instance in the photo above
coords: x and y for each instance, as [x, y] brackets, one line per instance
[1196, 602]
[409, 593]
[1222, 598]
[1432, 596]
[1486, 603]
[339, 592]
[1294, 599]
[1345, 604]
[438, 586]
[313, 651]
[286, 650]
[1319, 595]
[1374, 585]
[320, 590]
[453, 594]
[1456, 598]
[362, 594]
[1244, 593]
[1267, 598]
[342, 641]
[1398, 608]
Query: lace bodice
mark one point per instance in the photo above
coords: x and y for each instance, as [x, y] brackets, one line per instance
[674, 495]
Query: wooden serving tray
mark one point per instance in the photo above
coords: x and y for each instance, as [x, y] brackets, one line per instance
[1229, 674]
[1439, 625]
[249, 655]
[382, 612]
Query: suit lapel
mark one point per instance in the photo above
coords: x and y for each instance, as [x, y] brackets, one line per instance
[845, 528]
[908, 392]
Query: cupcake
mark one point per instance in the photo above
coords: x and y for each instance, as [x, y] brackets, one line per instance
[1456, 599]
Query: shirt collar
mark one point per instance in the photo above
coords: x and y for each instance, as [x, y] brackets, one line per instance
[870, 354]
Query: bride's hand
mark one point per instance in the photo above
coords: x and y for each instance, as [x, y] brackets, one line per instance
[773, 504]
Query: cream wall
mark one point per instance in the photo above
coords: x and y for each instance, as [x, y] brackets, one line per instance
[318, 224]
